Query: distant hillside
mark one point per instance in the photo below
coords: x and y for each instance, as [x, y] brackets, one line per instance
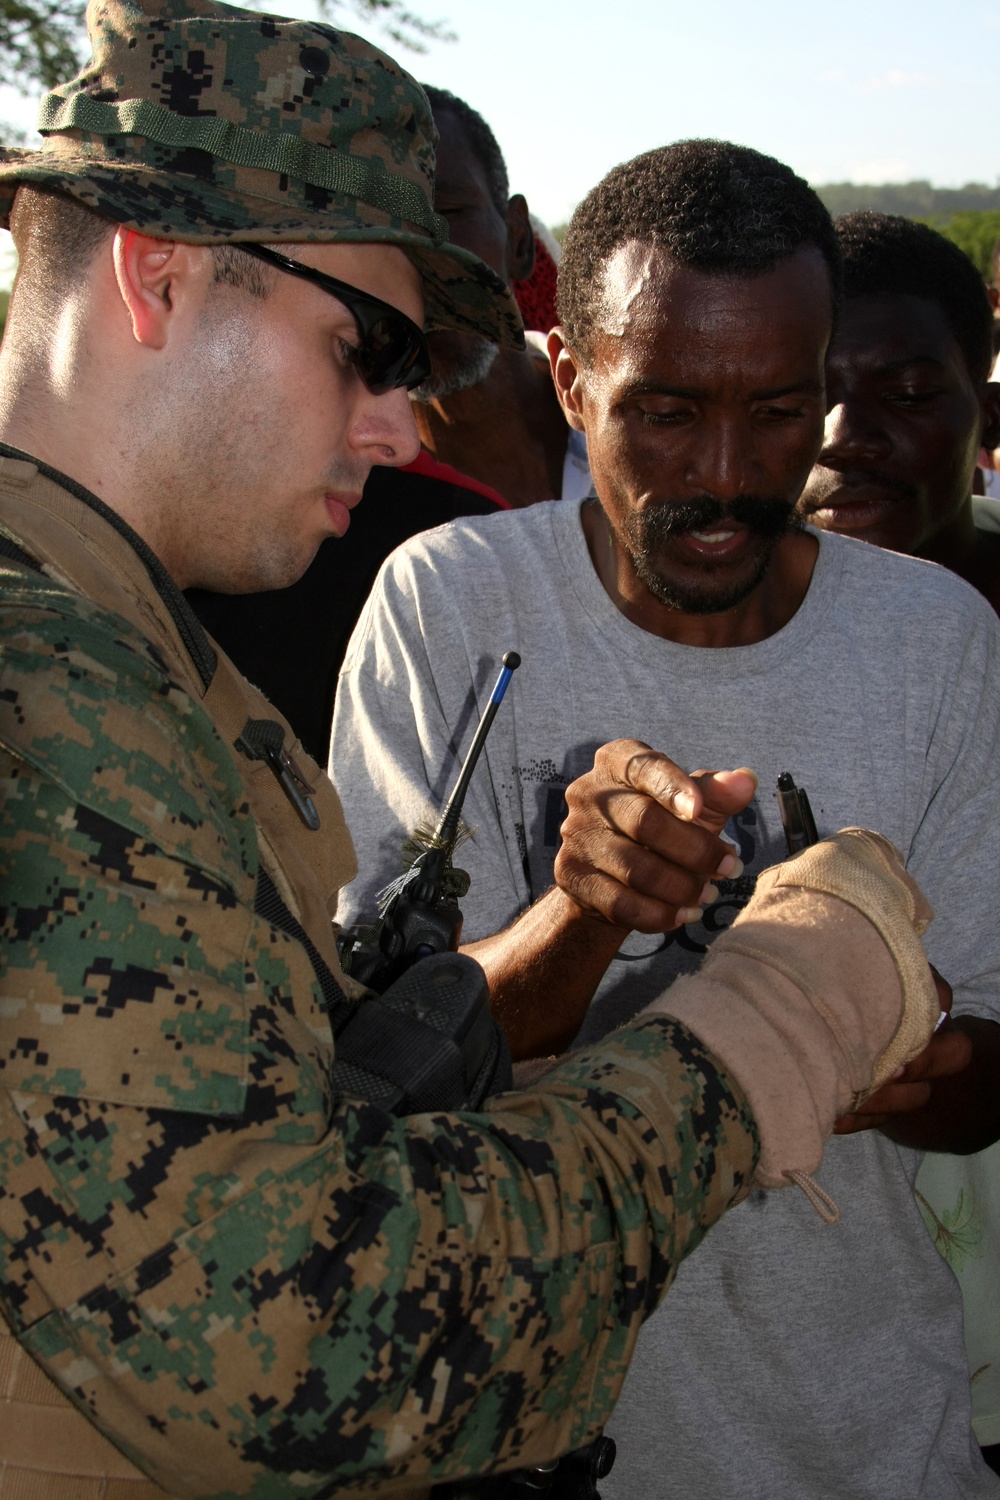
[917, 200]
[968, 215]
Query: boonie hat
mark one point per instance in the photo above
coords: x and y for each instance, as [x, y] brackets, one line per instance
[200, 122]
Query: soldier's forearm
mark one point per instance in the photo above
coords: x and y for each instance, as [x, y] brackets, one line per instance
[405, 1300]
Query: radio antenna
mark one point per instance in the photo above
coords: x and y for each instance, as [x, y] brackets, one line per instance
[447, 829]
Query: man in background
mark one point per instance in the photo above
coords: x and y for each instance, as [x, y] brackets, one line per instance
[910, 407]
[911, 403]
[490, 413]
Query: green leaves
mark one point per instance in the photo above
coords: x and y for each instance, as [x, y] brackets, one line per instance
[45, 43]
[41, 44]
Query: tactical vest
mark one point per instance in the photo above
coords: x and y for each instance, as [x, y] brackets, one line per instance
[48, 1449]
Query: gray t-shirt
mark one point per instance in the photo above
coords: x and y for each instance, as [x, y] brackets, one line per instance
[790, 1360]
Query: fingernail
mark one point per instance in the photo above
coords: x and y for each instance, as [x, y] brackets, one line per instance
[729, 866]
[689, 914]
[708, 895]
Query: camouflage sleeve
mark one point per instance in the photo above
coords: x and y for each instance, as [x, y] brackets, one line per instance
[250, 1287]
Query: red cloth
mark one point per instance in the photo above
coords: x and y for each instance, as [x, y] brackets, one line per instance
[425, 463]
[536, 297]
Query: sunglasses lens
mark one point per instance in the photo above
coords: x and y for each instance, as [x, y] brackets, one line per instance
[392, 353]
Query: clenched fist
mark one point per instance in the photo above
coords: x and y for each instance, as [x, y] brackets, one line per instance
[640, 843]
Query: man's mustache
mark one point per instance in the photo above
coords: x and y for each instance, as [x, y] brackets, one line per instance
[766, 515]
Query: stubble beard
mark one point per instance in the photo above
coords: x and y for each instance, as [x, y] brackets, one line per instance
[253, 552]
[647, 532]
[459, 361]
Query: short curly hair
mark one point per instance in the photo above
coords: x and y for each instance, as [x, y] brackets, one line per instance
[481, 140]
[713, 205]
[886, 255]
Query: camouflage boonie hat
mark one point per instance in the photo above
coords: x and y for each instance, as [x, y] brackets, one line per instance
[201, 122]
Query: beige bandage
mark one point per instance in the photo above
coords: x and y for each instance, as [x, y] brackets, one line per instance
[816, 995]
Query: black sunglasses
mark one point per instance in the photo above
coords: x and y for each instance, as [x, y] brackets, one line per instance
[391, 349]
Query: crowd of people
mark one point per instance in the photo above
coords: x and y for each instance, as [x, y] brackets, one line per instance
[282, 477]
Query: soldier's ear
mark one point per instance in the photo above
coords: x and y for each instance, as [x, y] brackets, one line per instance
[567, 378]
[156, 278]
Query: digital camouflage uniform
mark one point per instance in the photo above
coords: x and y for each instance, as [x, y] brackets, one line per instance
[250, 1285]
[209, 124]
[254, 1287]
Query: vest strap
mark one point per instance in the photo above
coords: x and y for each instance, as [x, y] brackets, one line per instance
[48, 1449]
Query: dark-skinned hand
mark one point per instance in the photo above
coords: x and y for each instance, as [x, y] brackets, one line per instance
[640, 843]
[948, 1053]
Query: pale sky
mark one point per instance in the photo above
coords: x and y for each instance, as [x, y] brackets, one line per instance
[866, 90]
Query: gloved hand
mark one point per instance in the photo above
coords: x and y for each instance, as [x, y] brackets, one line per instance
[816, 995]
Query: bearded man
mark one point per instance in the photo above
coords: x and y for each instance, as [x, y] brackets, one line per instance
[689, 610]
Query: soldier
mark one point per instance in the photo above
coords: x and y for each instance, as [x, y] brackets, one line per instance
[219, 1274]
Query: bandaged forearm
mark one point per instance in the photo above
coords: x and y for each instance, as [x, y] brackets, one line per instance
[816, 995]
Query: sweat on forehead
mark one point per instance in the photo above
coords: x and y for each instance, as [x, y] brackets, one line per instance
[658, 320]
[628, 276]
[712, 205]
